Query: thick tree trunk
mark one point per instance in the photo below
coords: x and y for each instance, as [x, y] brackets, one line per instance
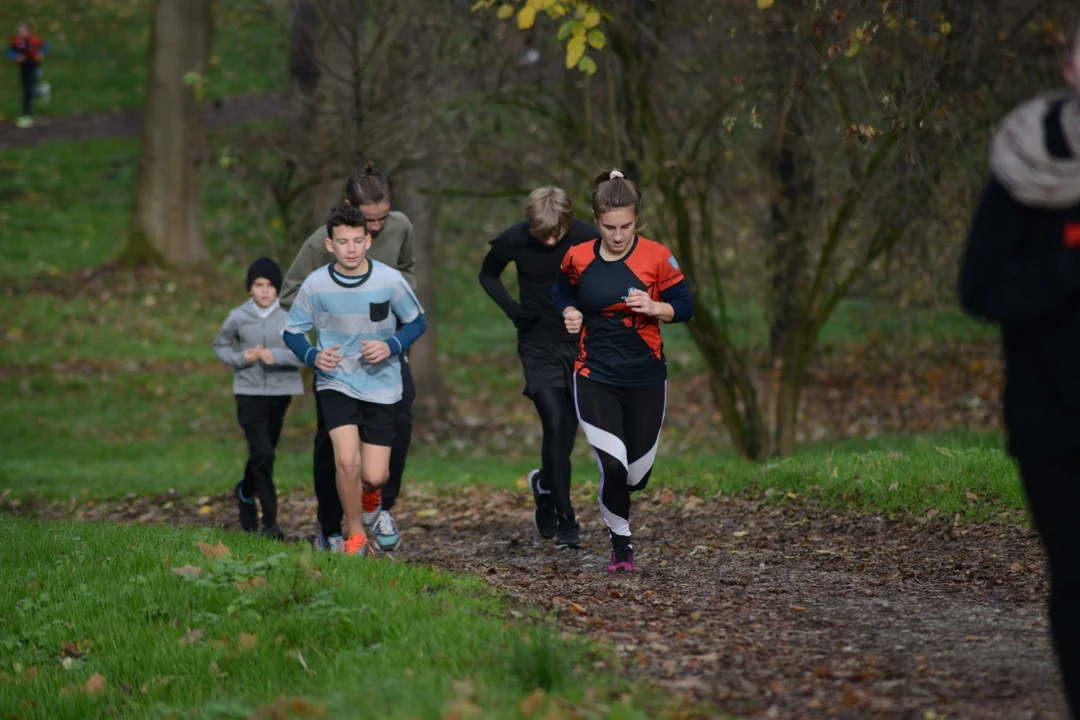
[165, 222]
[421, 204]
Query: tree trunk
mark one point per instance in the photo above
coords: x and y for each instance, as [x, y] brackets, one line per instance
[420, 201]
[165, 224]
[323, 124]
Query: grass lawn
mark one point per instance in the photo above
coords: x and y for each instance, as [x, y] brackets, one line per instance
[99, 51]
[98, 621]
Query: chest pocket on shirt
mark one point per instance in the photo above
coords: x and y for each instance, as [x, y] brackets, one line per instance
[379, 311]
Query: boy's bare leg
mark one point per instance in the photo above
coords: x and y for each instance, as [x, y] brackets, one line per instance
[347, 457]
[375, 466]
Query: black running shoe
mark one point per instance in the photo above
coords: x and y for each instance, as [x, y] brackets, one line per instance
[544, 516]
[249, 514]
[273, 531]
[568, 533]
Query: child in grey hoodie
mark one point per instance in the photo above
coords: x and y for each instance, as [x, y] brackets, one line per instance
[266, 376]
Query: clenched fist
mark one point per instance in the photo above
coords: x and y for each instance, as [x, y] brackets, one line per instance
[573, 318]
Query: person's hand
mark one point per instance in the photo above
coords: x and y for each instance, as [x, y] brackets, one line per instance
[573, 318]
[640, 302]
[267, 356]
[374, 351]
[252, 353]
[327, 360]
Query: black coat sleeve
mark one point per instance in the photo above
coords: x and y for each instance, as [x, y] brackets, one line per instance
[1000, 284]
[499, 256]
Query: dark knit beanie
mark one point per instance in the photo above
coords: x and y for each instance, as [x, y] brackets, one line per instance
[264, 267]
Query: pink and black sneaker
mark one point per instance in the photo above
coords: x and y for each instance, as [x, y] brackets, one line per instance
[622, 559]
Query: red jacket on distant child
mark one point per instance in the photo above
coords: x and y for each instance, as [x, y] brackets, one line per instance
[27, 47]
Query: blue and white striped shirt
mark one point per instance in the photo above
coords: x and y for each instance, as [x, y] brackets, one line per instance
[346, 311]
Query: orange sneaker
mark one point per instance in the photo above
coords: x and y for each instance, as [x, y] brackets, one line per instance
[358, 544]
[372, 507]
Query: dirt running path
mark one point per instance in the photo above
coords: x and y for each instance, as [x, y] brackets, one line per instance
[764, 610]
[128, 123]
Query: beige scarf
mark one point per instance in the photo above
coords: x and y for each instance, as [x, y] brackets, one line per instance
[1022, 164]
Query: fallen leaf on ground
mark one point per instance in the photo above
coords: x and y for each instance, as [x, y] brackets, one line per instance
[427, 512]
[193, 636]
[214, 551]
[462, 710]
[95, 684]
[204, 510]
[248, 641]
[256, 582]
[531, 704]
[188, 571]
[741, 533]
[70, 649]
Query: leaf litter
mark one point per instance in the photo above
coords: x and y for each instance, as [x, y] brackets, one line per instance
[810, 613]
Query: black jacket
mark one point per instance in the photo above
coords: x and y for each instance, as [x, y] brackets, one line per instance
[1021, 270]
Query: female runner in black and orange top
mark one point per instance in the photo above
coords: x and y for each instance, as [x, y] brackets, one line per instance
[616, 291]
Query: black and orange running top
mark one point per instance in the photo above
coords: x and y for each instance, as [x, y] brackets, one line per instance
[619, 346]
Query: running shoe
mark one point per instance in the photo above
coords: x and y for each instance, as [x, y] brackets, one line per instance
[386, 532]
[545, 517]
[372, 508]
[273, 531]
[334, 543]
[249, 514]
[358, 544]
[568, 534]
[622, 560]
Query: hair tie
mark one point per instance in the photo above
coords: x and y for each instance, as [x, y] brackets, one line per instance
[615, 174]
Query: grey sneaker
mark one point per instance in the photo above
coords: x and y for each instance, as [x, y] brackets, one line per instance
[387, 537]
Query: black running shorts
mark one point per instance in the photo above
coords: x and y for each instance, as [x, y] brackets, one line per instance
[374, 421]
[547, 364]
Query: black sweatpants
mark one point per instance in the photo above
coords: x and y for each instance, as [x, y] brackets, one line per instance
[549, 371]
[623, 426]
[1053, 494]
[261, 417]
[28, 76]
[330, 511]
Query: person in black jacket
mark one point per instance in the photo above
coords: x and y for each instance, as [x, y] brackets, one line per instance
[547, 352]
[1021, 270]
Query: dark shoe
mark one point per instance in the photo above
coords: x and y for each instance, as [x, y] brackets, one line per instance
[568, 534]
[273, 531]
[544, 516]
[249, 514]
[622, 560]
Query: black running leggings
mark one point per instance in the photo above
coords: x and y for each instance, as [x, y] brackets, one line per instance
[28, 76]
[1053, 494]
[330, 511]
[555, 406]
[623, 426]
[262, 417]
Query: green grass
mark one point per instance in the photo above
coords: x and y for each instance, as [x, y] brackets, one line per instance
[99, 52]
[356, 638]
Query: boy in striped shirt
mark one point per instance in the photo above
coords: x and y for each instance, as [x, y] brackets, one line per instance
[355, 304]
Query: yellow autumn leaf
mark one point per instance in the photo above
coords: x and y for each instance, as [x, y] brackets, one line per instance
[505, 11]
[596, 39]
[204, 510]
[945, 28]
[526, 17]
[575, 50]
[764, 4]
[592, 19]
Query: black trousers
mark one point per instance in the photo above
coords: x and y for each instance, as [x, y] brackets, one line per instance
[1053, 494]
[623, 426]
[262, 418]
[330, 511]
[28, 76]
[549, 383]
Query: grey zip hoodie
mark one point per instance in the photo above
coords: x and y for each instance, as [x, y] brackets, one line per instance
[244, 329]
